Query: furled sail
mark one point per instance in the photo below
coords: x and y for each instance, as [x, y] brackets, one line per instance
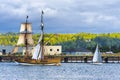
[97, 56]
[40, 39]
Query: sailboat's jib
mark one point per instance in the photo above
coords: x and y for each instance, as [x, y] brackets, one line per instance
[97, 56]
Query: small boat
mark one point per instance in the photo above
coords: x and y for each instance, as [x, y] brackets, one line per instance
[38, 57]
[97, 58]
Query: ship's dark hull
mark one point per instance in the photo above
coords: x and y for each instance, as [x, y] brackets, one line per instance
[46, 61]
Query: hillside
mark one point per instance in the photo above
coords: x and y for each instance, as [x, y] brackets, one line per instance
[69, 42]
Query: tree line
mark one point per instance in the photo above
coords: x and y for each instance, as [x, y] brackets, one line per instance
[72, 42]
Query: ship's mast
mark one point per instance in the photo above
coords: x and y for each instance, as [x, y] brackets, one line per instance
[42, 29]
[26, 41]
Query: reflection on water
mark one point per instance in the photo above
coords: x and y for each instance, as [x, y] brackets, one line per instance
[67, 71]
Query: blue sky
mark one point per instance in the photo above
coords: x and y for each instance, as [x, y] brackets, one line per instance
[61, 16]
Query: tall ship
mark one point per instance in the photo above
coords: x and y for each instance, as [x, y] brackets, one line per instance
[38, 56]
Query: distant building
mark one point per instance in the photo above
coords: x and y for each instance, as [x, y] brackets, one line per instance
[89, 40]
[5, 49]
[8, 49]
[49, 50]
[53, 50]
[109, 52]
[79, 52]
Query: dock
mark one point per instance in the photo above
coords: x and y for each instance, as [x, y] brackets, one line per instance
[88, 59]
[72, 58]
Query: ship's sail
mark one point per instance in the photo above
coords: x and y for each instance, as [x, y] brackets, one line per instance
[25, 26]
[35, 54]
[97, 56]
[25, 37]
[38, 49]
[15, 49]
[38, 53]
[25, 33]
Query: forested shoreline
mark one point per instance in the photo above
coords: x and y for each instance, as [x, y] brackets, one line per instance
[72, 42]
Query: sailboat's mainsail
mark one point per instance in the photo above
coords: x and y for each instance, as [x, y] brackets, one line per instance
[97, 56]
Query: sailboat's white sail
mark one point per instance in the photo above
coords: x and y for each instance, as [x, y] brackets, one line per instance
[97, 56]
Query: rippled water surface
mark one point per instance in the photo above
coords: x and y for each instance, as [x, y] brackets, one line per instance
[67, 71]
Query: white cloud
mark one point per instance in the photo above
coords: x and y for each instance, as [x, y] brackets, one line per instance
[88, 17]
[97, 3]
[98, 18]
[50, 12]
[66, 12]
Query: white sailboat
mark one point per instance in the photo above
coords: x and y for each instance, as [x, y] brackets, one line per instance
[97, 58]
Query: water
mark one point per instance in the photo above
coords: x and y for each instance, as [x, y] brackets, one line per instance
[67, 71]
